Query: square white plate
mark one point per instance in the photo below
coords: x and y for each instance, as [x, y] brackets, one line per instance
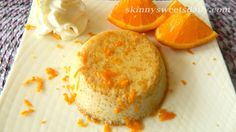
[207, 103]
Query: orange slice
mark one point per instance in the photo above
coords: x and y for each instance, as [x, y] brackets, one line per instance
[136, 15]
[183, 29]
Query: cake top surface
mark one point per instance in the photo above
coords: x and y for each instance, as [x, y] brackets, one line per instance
[119, 62]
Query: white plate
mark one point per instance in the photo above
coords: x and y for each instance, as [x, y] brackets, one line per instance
[206, 103]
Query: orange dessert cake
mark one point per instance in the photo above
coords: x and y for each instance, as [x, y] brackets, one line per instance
[118, 75]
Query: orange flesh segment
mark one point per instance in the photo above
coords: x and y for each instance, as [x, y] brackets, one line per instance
[133, 15]
[183, 30]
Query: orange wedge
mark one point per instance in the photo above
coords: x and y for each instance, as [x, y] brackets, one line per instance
[136, 15]
[183, 29]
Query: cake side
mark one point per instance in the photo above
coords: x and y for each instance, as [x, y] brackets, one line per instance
[118, 74]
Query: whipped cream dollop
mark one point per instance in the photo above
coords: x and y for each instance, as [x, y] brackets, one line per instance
[66, 18]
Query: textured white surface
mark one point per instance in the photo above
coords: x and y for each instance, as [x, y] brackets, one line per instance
[206, 103]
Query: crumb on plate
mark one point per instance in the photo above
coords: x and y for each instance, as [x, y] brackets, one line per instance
[135, 125]
[67, 69]
[91, 34]
[30, 27]
[169, 91]
[165, 115]
[43, 122]
[36, 79]
[27, 112]
[52, 73]
[55, 35]
[65, 78]
[184, 82]
[28, 103]
[69, 98]
[59, 46]
[81, 123]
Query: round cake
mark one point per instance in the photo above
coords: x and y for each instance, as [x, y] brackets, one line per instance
[118, 75]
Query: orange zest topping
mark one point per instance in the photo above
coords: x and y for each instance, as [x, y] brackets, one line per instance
[108, 52]
[65, 78]
[81, 123]
[55, 35]
[119, 43]
[27, 112]
[30, 27]
[52, 73]
[117, 110]
[135, 126]
[116, 61]
[132, 96]
[136, 109]
[69, 98]
[184, 82]
[28, 103]
[83, 56]
[124, 83]
[59, 46]
[106, 128]
[108, 74]
[120, 107]
[35, 79]
[165, 115]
